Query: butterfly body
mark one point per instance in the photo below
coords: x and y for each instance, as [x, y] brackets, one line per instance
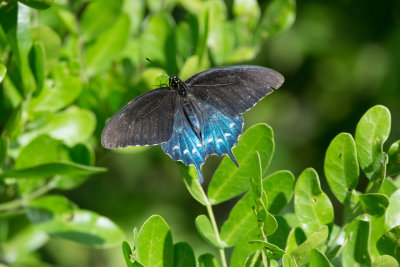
[193, 119]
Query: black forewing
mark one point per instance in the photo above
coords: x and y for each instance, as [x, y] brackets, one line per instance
[234, 89]
[146, 120]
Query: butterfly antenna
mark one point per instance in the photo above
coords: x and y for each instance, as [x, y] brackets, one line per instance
[190, 54]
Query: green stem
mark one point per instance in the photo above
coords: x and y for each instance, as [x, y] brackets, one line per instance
[21, 202]
[215, 227]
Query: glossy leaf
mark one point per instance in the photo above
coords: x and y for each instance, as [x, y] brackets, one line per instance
[318, 259]
[127, 251]
[38, 4]
[73, 125]
[392, 218]
[50, 169]
[389, 243]
[57, 216]
[278, 16]
[393, 167]
[341, 166]
[385, 261]
[372, 131]
[208, 260]
[312, 206]
[107, 46]
[205, 229]
[193, 184]
[59, 92]
[288, 261]
[280, 236]
[228, 180]
[373, 205]
[316, 240]
[3, 71]
[295, 237]
[279, 188]
[184, 255]
[356, 250]
[154, 244]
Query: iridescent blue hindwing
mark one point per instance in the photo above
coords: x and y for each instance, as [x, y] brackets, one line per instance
[219, 134]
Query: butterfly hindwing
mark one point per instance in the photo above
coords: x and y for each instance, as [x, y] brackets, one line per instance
[235, 89]
[146, 120]
[184, 144]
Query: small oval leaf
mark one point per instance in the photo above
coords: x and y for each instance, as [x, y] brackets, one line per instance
[205, 229]
[184, 255]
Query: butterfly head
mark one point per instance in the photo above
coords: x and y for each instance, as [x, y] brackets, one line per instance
[176, 84]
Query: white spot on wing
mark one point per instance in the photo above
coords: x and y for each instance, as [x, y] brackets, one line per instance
[175, 148]
[185, 151]
[219, 140]
[209, 140]
[227, 134]
[194, 150]
[198, 145]
[232, 125]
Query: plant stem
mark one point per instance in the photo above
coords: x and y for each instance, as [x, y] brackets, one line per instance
[21, 202]
[215, 227]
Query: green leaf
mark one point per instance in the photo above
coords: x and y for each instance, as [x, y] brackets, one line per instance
[280, 236]
[193, 184]
[228, 180]
[51, 42]
[393, 167]
[312, 206]
[205, 229]
[73, 125]
[254, 260]
[38, 4]
[318, 259]
[184, 255]
[288, 261]
[274, 251]
[295, 238]
[51, 169]
[3, 71]
[28, 239]
[127, 251]
[270, 224]
[243, 249]
[92, 24]
[57, 216]
[108, 46]
[356, 250]
[154, 40]
[208, 260]
[372, 131]
[389, 243]
[37, 61]
[392, 213]
[316, 240]
[385, 261]
[154, 245]
[278, 188]
[341, 166]
[373, 205]
[278, 16]
[15, 122]
[59, 92]
[4, 144]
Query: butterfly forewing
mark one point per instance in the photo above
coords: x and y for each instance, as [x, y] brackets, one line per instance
[146, 120]
[233, 90]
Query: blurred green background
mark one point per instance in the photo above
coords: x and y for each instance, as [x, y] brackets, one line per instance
[339, 58]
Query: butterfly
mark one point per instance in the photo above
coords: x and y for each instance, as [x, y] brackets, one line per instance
[193, 119]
